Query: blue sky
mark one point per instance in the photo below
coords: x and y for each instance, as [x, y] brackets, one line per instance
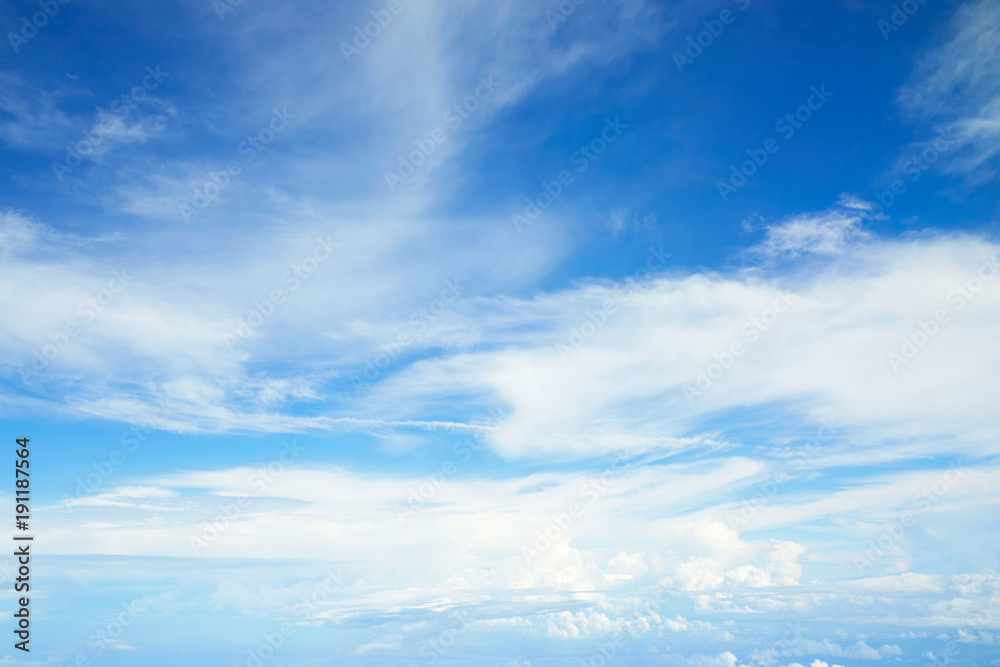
[514, 334]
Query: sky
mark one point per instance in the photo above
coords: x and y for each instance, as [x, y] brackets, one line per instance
[515, 334]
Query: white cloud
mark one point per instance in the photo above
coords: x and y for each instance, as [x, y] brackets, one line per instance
[387, 643]
[18, 234]
[859, 651]
[624, 389]
[112, 130]
[118, 645]
[907, 581]
[32, 117]
[663, 521]
[724, 659]
[850, 201]
[36, 122]
[622, 218]
[957, 86]
[832, 348]
[827, 233]
[981, 637]
[125, 497]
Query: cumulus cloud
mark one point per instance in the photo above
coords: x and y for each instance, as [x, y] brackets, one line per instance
[858, 651]
[724, 659]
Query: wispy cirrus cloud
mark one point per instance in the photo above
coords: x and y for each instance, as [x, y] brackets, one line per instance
[956, 86]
